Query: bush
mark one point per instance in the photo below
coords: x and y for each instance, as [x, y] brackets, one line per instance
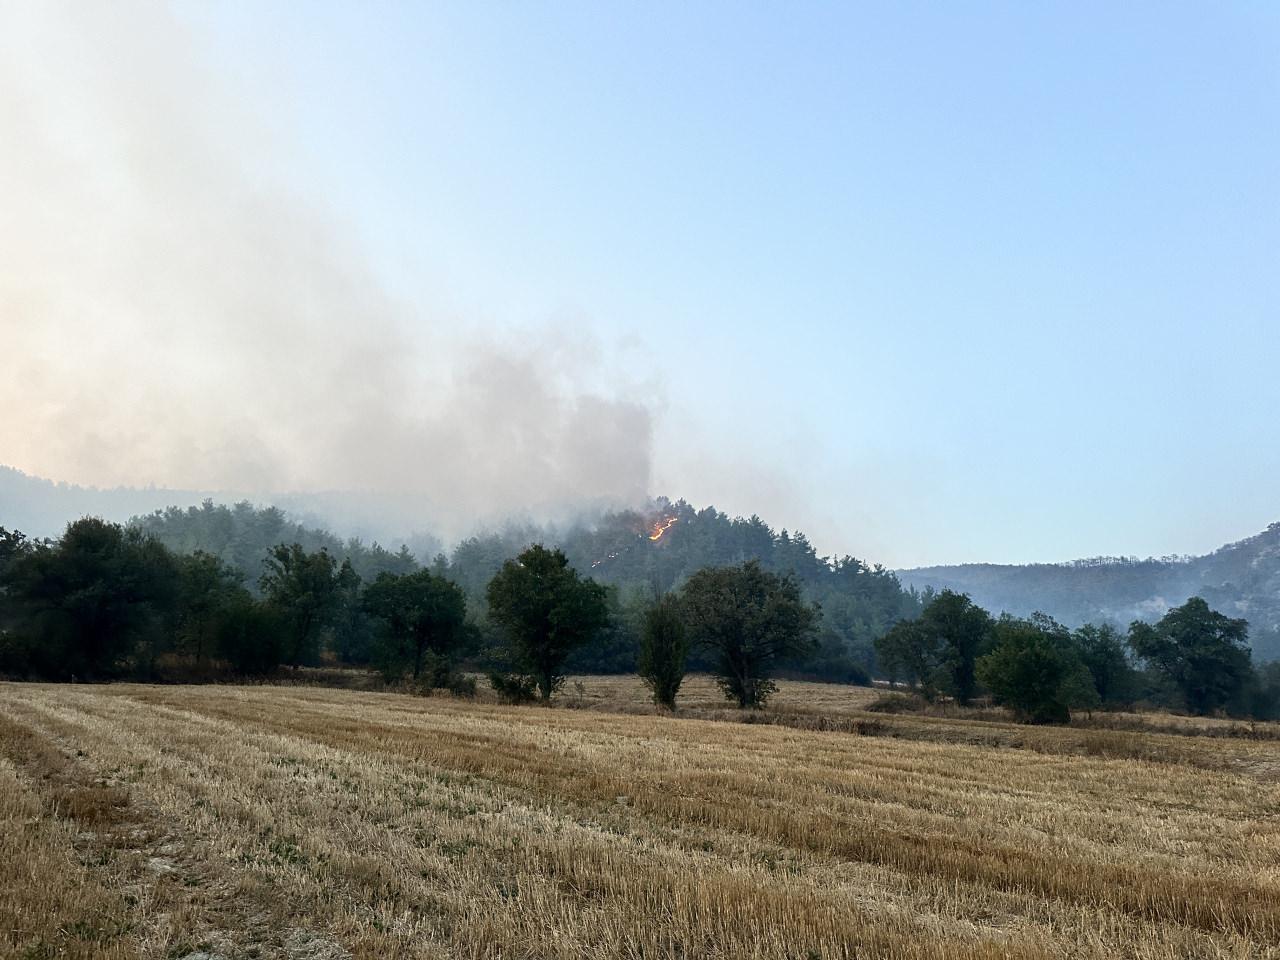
[834, 660]
[461, 685]
[514, 687]
[896, 703]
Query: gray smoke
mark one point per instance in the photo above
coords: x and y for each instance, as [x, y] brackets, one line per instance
[171, 313]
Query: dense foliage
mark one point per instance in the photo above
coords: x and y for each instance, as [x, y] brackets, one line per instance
[1200, 652]
[107, 601]
[422, 624]
[243, 536]
[939, 649]
[664, 650]
[545, 610]
[858, 601]
[1033, 668]
[1241, 579]
[749, 618]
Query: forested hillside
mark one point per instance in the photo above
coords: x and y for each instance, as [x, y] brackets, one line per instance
[859, 600]
[1241, 579]
[639, 555]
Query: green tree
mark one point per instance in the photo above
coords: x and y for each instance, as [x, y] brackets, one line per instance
[664, 648]
[1101, 649]
[249, 635]
[307, 590]
[351, 628]
[13, 547]
[960, 631]
[86, 605]
[206, 585]
[1078, 690]
[545, 610]
[1201, 652]
[1029, 672]
[750, 618]
[422, 618]
[1264, 692]
[910, 652]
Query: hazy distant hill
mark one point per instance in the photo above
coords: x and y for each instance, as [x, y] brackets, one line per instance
[1241, 579]
[42, 508]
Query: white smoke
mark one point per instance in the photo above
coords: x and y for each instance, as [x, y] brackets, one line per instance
[171, 313]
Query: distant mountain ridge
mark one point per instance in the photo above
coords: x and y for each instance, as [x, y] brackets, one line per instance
[1241, 579]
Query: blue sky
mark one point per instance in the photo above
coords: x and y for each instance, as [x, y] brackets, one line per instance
[999, 281]
[935, 283]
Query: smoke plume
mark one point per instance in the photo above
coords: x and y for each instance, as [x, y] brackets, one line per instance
[172, 313]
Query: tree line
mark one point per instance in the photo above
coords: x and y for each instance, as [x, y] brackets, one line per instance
[858, 601]
[108, 601]
[1194, 659]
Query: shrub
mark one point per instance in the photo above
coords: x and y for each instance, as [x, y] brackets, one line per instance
[896, 703]
[514, 687]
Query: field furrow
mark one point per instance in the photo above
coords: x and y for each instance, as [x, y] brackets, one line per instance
[320, 823]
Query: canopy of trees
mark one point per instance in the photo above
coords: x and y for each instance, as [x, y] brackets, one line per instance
[940, 648]
[106, 601]
[423, 623]
[1202, 653]
[82, 606]
[857, 601]
[1238, 579]
[1033, 667]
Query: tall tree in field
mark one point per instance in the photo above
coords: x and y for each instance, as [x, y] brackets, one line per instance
[664, 647]
[422, 618]
[961, 631]
[546, 610]
[306, 588]
[750, 618]
[1205, 654]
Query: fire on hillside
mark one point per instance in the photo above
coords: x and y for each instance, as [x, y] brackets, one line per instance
[661, 526]
[653, 531]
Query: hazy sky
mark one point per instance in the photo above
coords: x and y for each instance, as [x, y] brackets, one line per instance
[934, 283]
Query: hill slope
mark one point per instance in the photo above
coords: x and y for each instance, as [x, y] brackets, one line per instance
[1241, 579]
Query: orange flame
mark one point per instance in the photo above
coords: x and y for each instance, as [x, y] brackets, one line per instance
[662, 526]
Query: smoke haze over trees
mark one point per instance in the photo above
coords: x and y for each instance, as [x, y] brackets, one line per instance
[1241, 579]
[230, 336]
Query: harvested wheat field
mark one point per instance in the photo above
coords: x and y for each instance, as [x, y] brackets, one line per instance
[316, 823]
